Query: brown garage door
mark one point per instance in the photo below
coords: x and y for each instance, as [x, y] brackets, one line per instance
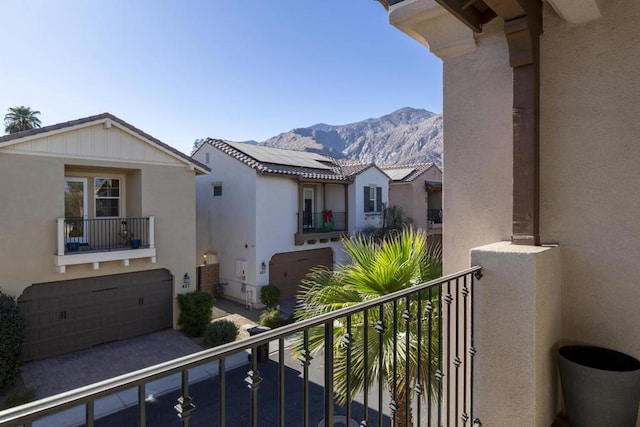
[286, 270]
[72, 315]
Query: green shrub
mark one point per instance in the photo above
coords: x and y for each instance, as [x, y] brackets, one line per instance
[195, 312]
[220, 332]
[269, 295]
[19, 397]
[12, 334]
[273, 319]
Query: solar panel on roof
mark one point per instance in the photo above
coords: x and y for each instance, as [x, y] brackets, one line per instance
[280, 156]
[399, 174]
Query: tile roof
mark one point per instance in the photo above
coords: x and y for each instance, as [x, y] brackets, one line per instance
[418, 169]
[337, 170]
[98, 117]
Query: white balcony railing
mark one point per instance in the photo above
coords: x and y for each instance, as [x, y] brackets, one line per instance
[93, 241]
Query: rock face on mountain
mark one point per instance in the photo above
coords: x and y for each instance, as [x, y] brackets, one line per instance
[408, 135]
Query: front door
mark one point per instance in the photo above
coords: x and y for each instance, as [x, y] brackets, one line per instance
[307, 218]
[75, 209]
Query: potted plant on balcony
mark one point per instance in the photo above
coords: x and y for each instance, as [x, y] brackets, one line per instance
[135, 243]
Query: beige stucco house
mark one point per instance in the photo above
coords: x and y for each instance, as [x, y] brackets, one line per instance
[417, 190]
[98, 232]
[542, 147]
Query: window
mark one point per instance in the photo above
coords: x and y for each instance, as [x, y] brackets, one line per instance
[107, 196]
[217, 190]
[207, 157]
[372, 199]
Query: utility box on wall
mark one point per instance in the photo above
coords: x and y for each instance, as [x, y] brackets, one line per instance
[241, 269]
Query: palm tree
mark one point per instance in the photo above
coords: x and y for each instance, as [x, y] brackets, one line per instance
[399, 261]
[21, 118]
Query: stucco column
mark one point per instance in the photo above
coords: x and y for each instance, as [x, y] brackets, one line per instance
[517, 311]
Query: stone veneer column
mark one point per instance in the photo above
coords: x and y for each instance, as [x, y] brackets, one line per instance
[517, 327]
[209, 277]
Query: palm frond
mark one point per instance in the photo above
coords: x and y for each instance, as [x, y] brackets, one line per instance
[398, 262]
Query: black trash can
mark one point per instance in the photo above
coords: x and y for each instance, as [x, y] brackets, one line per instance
[601, 387]
[263, 349]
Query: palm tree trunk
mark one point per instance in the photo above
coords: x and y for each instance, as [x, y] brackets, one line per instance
[402, 417]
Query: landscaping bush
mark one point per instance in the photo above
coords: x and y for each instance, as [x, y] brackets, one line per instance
[195, 312]
[220, 332]
[269, 295]
[12, 333]
[273, 319]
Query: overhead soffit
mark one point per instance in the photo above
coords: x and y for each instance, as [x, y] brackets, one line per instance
[475, 13]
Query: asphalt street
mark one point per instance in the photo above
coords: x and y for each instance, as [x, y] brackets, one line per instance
[205, 395]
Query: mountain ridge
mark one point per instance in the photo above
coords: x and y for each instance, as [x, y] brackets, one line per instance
[407, 135]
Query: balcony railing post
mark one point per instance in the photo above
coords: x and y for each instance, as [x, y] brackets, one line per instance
[328, 373]
[61, 239]
[152, 232]
[185, 406]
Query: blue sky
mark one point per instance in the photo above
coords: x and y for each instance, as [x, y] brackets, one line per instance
[238, 70]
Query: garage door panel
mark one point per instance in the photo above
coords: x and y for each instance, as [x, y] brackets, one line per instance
[71, 315]
[287, 270]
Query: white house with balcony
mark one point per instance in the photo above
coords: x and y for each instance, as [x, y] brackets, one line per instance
[270, 215]
[98, 232]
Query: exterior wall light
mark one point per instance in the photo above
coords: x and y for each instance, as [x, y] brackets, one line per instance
[263, 268]
[186, 282]
[204, 258]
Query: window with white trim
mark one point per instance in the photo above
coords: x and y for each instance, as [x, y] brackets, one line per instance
[107, 197]
[372, 199]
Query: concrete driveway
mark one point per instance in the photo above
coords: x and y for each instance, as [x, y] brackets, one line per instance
[66, 372]
[62, 373]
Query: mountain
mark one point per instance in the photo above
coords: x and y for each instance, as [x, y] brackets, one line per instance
[407, 135]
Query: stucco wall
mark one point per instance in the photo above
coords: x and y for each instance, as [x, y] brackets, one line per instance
[589, 157]
[33, 198]
[517, 327]
[358, 219]
[477, 107]
[277, 221]
[227, 224]
[413, 199]
[401, 195]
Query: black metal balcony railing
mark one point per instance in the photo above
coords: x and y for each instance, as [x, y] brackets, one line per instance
[434, 216]
[105, 234]
[323, 222]
[439, 313]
